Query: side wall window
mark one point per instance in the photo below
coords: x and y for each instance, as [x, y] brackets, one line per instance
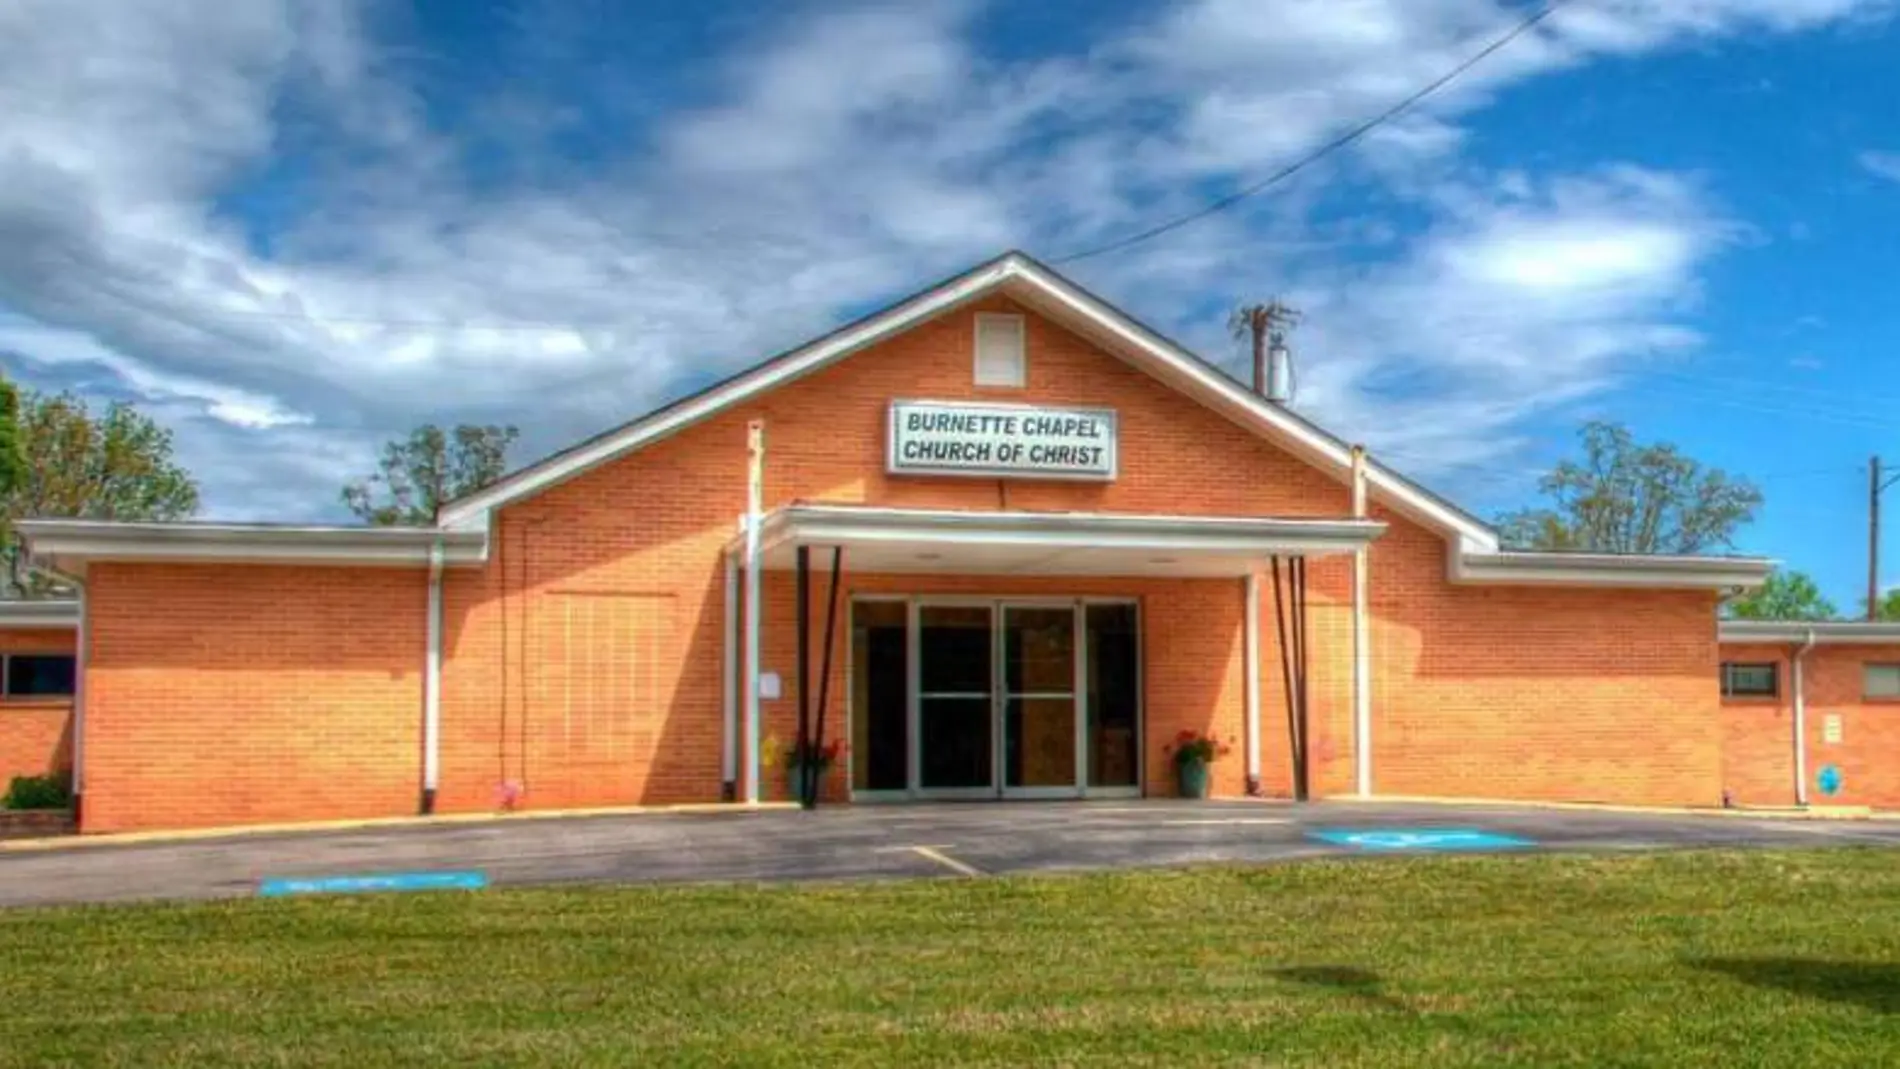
[1750, 680]
[39, 675]
[1880, 681]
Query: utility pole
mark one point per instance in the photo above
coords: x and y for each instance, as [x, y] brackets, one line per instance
[1876, 485]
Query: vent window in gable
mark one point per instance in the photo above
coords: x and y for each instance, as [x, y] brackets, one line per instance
[999, 350]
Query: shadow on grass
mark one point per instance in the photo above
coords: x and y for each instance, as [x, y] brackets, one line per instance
[1362, 984]
[1872, 984]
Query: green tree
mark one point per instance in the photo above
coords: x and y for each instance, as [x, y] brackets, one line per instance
[13, 467]
[1887, 608]
[418, 474]
[112, 465]
[1625, 497]
[1785, 596]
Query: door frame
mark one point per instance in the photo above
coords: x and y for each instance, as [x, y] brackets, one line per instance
[913, 698]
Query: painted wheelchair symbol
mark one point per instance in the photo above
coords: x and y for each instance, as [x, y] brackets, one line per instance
[1420, 839]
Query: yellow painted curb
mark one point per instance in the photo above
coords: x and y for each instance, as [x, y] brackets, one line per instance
[131, 838]
[1837, 812]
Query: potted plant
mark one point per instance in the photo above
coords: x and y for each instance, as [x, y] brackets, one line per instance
[1192, 753]
[804, 764]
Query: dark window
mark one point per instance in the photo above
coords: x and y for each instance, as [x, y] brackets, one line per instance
[39, 676]
[1749, 680]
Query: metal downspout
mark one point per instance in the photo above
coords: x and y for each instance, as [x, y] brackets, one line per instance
[432, 685]
[1799, 683]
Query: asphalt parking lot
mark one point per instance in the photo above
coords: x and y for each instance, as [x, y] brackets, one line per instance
[877, 842]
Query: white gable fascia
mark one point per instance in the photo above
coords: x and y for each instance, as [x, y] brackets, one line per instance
[1315, 445]
[737, 390]
[1040, 288]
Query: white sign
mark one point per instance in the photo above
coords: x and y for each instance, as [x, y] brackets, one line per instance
[1009, 441]
[1831, 729]
[771, 688]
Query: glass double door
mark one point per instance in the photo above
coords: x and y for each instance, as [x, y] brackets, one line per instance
[1013, 699]
[996, 692]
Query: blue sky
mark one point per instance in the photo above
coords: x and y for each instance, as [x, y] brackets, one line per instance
[293, 229]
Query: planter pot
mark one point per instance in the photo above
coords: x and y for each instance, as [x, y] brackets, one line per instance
[1192, 778]
[798, 775]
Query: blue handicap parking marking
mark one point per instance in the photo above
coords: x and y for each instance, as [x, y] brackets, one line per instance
[277, 886]
[1419, 839]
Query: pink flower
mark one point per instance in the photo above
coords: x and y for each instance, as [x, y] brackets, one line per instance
[508, 796]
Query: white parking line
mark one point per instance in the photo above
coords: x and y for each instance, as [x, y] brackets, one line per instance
[946, 860]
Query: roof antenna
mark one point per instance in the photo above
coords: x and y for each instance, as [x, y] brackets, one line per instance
[1266, 325]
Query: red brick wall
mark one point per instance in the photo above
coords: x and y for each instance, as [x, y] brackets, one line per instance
[35, 733]
[1868, 752]
[1759, 761]
[1534, 693]
[583, 662]
[1758, 733]
[647, 530]
[237, 694]
[1560, 694]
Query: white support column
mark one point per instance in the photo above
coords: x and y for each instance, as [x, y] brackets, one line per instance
[729, 684]
[1251, 595]
[432, 685]
[81, 641]
[755, 492]
[1361, 640]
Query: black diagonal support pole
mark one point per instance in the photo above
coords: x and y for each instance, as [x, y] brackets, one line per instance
[1289, 686]
[802, 756]
[1302, 769]
[824, 660]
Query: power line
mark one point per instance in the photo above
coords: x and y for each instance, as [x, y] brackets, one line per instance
[1324, 150]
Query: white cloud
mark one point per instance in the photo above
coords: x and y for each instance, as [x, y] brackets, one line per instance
[380, 278]
[57, 348]
[1881, 164]
[1511, 306]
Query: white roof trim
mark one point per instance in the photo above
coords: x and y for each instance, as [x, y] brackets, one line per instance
[1525, 568]
[69, 545]
[50, 613]
[1823, 632]
[1309, 439]
[848, 525]
[1045, 288]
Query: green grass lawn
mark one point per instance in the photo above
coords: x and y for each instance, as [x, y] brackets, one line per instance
[1735, 959]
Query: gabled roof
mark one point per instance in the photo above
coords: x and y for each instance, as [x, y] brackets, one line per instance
[1050, 294]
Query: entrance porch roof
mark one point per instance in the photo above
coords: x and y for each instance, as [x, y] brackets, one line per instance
[1051, 543]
